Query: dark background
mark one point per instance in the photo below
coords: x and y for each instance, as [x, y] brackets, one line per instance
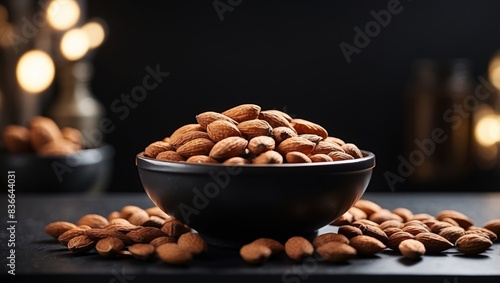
[283, 55]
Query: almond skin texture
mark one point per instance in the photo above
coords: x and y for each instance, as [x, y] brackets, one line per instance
[201, 159]
[208, 117]
[345, 219]
[473, 244]
[336, 252]
[55, 229]
[374, 232]
[144, 234]
[255, 253]
[93, 220]
[324, 147]
[170, 155]
[368, 206]
[156, 242]
[81, 244]
[193, 243]
[493, 225]
[452, 233]
[156, 147]
[282, 133]
[268, 157]
[275, 246]
[396, 239]
[298, 248]
[43, 130]
[243, 112]
[463, 220]
[255, 128]
[320, 158]
[303, 126]
[174, 228]
[412, 249]
[237, 160]
[221, 129]
[65, 237]
[404, 213]
[339, 156]
[200, 146]
[184, 129]
[352, 150]
[329, 237]
[109, 247]
[260, 144]
[275, 119]
[349, 231]
[297, 157]
[228, 147]
[440, 225]
[433, 242]
[366, 245]
[295, 144]
[142, 251]
[172, 254]
[16, 139]
[188, 136]
[357, 213]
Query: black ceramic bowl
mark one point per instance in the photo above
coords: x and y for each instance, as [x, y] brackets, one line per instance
[88, 170]
[232, 205]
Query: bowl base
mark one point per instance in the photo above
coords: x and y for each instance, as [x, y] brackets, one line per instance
[235, 244]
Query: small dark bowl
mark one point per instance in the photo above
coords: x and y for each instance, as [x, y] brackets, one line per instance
[88, 170]
[232, 205]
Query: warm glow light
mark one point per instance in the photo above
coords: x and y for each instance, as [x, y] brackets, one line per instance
[95, 32]
[74, 44]
[494, 71]
[487, 130]
[35, 71]
[63, 14]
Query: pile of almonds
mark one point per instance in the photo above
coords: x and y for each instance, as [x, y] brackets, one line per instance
[364, 230]
[42, 136]
[247, 134]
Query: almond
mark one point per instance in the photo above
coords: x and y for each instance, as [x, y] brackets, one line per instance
[473, 244]
[349, 231]
[154, 221]
[275, 119]
[391, 230]
[295, 144]
[174, 228]
[73, 135]
[199, 146]
[221, 129]
[396, 238]
[360, 222]
[384, 215]
[228, 147]
[320, 158]
[93, 220]
[452, 233]
[237, 160]
[255, 253]
[268, 157]
[322, 239]
[113, 215]
[366, 245]
[404, 213]
[156, 211]
[97, 234]
[193, 243]
[339, 156]
[65, 237]
[451, 221]
[208, 117]
[260, 144]
[182, 139]
[170, 155]
[352, 150]
[275, 246]
[414, 229]
[138, 217]
[336, 252]
[109, 247]
[282, 133]
[344, 219]
[282, 113]
[412, 249]
[421, 217]
[324, 147]
[81, 244]
[172, 254]
[156, 147]
[142, 251]
[297, 157]
[156, 242]
[493, 225]
[56, 228]
[298, 248]
[255, 128]
[357, 213]
[440, 225]
[173, 139]
[311, 137]
[243, 112]
[375, 232]
[368, 206]
[16, 139]
[201, 159]
[127, 211]
[391, 223]
[303, 126]
[482, 232]
[43, 130]
[145, 234]
[433, 243]
[463, 220]
[59, 147]
[336, 140]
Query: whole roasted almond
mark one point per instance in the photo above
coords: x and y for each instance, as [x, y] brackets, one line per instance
[174, 228]
[171, 253]
[183, 138]
[170, 155]
[336, 140]
[154, 221]
[324, 147]
[320, 158]
[260, 144]
[142, 251]
[208, 117]
[274, 119]
[43, 130]
[56, 228]
[138, 217]
[360, 222]
[352, 150]
[297, 157]
[73, 135]
[368, 206]
[255, 253]
[311, 137]
[404, 213]
[156, 242]
[391, 230]
[336, 252]
[473, 244]
[81, 244]
[201, 159]
[65, 237]
[228, 147]
[412, 249]
[184, 129]
[449, 220]
[93, 220]
[482, 232]
[156, 211]
[396, 238]
[109, 247]
[192, 242]
[255, 128]
[127, 210]
[493, 225]
[366, 245]
[421, 217]
[282, 133]
[417, 223]
[391, 223]
[268, 157]
[357, 213]
[452, 233]
[113, 215]
[156, 147]
[433, 243]
[145, 234]
[303, 126]
[295, 144]
[221, 129]
[200, 146]
[339, 155]
[463, 220]
[349, 231]
[414, 229]
[384, 215]
[237, 160]
[275, 246]
[375, 232]
[324, 238]
[298, 248]
[97, 234]
[281, 113]
[243, 112]
[16, 139]
[345, 219]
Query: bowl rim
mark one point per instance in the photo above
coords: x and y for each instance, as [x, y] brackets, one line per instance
[359, 164]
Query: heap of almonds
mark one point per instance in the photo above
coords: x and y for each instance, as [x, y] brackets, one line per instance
[42, 136]
[365, 229]
[248, 134]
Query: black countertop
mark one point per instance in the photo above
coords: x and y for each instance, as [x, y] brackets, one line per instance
[39, 256]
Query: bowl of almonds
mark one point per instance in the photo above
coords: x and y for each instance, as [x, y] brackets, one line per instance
[47, 158]
[248, 172]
